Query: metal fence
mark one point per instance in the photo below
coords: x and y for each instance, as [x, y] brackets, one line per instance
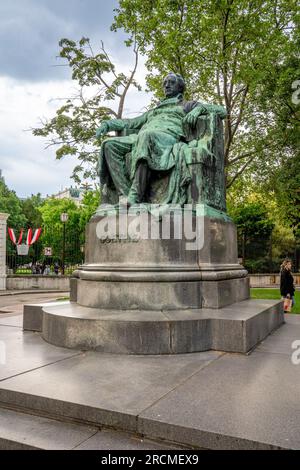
[58, 250]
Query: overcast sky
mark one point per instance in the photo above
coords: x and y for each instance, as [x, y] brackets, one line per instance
[31, 81]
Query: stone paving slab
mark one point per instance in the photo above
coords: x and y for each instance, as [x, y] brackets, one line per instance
[111, 440]
[11, 320]
[25, 351]
[281, 340]
[22, 431]
[23, 297]
[102, 388]
[9, 292]
[208, 400]
[250, 402]
[292, 318]
[11, 309]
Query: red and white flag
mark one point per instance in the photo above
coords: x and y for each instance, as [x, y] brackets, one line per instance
[29, 236]
[20, 237]
[36, 236]
[30, 240]
[12, 235]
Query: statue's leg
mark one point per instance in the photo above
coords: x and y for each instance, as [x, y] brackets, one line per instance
[151, 152]
[115, 151]
[140, 183]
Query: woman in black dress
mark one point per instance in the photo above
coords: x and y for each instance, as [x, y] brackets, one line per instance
[287, 288]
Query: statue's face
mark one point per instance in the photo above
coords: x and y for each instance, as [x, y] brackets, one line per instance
[171, 86]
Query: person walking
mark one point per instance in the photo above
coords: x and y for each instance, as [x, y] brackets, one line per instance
[56, 268]
[287, 288]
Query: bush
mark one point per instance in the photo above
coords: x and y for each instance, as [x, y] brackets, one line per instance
[262, 265]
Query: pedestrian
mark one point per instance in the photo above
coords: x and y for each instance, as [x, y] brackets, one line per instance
[46, 271]
[56, 268]
[33, 268]
[287, 288]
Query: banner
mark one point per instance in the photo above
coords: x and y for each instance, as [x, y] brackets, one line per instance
[36, 236]
[13, 238]
[30, 240]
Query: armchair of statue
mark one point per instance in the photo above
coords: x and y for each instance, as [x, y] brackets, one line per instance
[204, 156]
[197, 173]
[200, 161]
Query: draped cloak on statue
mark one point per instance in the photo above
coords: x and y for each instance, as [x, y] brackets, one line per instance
[158, 139]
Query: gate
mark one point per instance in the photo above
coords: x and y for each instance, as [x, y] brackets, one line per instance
[53, 253]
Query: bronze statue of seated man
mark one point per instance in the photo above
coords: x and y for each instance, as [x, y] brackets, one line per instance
[151, 147]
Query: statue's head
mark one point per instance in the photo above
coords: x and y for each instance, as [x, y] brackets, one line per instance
[173, 84]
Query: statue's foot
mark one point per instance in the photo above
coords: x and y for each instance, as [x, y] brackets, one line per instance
[123, 201]
[127, 201]
[133, 197]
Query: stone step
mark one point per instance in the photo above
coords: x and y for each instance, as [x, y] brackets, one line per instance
[204, 400]
[236, 328]
[201, 400]
[21, 431]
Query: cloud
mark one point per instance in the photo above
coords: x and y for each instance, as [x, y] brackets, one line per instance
[27, 166]
[31, 82]
[30, 31]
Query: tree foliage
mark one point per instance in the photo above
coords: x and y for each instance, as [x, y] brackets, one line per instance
[228, 51]
[72, 130]
[30, 208]
[254, 228]
[52, 235]
[11, 204]
[52, 209]
[90, 202]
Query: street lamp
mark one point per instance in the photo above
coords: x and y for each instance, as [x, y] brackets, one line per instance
[64, 218]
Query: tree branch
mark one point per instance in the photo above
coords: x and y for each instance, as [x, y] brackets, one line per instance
[239, 172]
[240, 114]
[123, 96]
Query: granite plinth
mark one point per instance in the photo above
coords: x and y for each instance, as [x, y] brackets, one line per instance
[236, 328]
[168, 272]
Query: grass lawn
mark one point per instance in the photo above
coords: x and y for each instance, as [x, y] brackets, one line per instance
[275, 294]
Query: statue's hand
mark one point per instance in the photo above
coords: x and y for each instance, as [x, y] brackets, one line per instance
[192, 116]
[102, 130]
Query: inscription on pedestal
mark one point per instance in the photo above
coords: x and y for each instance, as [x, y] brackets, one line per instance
[119, 240]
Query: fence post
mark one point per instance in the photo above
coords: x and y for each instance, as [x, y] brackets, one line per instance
[3, 219]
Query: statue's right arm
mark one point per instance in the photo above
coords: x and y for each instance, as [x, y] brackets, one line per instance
[137, 122]
[110, 125]
[121, 124]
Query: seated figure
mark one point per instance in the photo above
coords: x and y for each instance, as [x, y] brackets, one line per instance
[156, 160]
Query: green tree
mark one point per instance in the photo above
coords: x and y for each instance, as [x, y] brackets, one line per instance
[90, 202]
[254, 228]
[282, 182]
[73, 128]
[52, 235]
[30, 208]
[227, 50]
[11, 204]
[287, 191]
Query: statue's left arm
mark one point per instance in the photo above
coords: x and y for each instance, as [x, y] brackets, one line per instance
[195, 109]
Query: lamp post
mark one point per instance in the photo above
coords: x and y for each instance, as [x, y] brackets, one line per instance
[64, 218]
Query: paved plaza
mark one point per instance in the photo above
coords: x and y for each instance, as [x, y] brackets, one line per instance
[55, 398]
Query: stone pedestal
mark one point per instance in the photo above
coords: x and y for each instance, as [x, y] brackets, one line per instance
[3, 219]
[145, 292]
[163, 273]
